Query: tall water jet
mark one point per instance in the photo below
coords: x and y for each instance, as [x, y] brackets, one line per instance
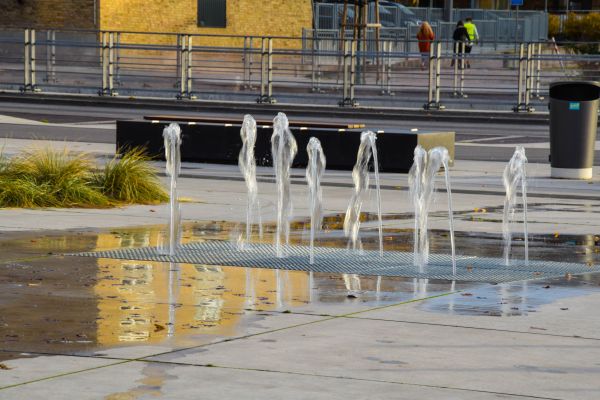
[515, 172]
[360, 176]
[172, 143]
[247, 164]
[421, 180]
[314, 173]
[283, 150]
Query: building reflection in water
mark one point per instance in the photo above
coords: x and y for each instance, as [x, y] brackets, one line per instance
[149, 302]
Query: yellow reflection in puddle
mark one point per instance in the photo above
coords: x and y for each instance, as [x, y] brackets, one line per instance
[149, 302]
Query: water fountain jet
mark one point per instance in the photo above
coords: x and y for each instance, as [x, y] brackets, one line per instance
[172, 143]
[515, 172]
[360, 176]
[247, 165]
[314, 173]
[283, 150]
[421, 178]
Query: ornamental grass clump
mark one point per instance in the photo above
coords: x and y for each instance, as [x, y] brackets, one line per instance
[131, 179]
[51, 178]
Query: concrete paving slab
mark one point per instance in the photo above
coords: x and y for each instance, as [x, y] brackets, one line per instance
[555, 307]
[143, 380]
[500, 362]
[32, 368]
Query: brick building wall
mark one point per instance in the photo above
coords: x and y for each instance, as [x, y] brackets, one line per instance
[244, 17]
[78, 14]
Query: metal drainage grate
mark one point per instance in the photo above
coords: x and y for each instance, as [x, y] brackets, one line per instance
[335, 260]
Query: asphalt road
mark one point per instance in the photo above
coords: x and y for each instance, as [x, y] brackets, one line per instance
[475, 140]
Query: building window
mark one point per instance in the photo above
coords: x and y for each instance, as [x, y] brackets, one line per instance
[212, 13]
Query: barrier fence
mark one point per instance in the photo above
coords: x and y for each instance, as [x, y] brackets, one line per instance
[308, 70]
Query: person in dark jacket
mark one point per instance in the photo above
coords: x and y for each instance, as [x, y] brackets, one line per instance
[460, 35]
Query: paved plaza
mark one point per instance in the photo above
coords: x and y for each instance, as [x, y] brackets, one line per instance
[101, 328]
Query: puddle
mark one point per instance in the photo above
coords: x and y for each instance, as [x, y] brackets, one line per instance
[53, 304]
[514, 299]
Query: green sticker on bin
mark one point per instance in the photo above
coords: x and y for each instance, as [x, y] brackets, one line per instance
[574, 105]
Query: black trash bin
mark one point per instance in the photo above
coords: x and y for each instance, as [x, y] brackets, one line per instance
[573, 124]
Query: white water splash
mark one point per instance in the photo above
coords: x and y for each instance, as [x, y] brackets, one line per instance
[283, 151]
[421, 178]
[314, 173]
[360, 176]
[172, 143]
[515, 172]
[247, 164]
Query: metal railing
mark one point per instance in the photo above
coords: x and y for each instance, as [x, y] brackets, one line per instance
[316, 69]
[497, 25]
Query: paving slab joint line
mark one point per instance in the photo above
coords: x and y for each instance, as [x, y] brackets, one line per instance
[146, 358]
[421, 385]
[63, 374]
[328, 318]
[474, 328]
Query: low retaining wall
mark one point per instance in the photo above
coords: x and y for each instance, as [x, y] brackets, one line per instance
[220, 143]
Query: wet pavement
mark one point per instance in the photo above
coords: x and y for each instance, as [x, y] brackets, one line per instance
[73, 318]
[127, 329]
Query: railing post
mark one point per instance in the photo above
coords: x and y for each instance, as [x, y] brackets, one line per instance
[29, 82]
[50, 56]
[107, 64]
[33, 69]
[27, 59]
[433, 95]
[111, 64]
[263, 50]
[189, 65]
[353, 63]
[455, 92]
[529, 77]
[538, 71]
[345, 72]
[381, 73]
[389, 69]
[523, 80]
[178, 61]
[183, 70]
[463, 55]
[246, 84]
[104, 63]
[349, 74]
[118, 59]
[438, 65]
[430, 78]
[266, 72]
[270, 98]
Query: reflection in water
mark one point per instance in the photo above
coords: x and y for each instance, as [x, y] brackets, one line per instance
[76, 304]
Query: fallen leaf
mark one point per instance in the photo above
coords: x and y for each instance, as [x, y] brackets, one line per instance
[3, 366]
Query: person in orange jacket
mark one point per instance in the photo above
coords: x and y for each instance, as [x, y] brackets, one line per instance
[425, 36]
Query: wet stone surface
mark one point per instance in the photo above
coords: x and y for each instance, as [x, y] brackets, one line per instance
[70, 305]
